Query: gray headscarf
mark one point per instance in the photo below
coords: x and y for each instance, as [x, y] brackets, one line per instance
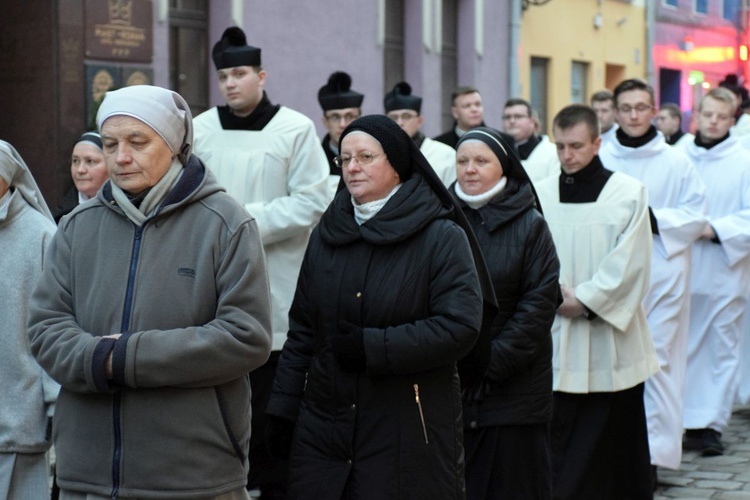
[167, 113]
[163, 110]
[18, 176]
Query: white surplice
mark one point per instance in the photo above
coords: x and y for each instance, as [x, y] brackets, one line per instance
[605, 254]
[677, 198]
[542, 162]
[720, 283]
[280, 174]
[442, 158]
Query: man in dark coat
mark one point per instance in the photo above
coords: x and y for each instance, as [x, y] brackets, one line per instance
[467, 110]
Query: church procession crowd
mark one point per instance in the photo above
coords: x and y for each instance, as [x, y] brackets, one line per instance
[224, 307]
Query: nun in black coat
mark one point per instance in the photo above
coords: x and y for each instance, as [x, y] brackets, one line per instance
[391, 295]
[507, 414]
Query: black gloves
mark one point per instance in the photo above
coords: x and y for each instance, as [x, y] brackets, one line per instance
[348, 346]
[279, 433]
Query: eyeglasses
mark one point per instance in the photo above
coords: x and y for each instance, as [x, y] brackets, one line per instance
[348, 118]
[508, 118]
[404, 117]
[639, 109]
[363, 159]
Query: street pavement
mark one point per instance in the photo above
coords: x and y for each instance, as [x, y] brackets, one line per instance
[724, 477]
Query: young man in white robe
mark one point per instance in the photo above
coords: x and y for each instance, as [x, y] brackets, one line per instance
[603, 103]
[269, 159]
[720, 274]
[538, 155]
[405, 108]
[669, 123]
[677, 208]
[602, 350]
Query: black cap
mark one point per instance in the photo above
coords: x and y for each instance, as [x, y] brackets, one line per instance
[401, 98]
[92, 137]
[337, 93]
[396, 144]
[232, 50]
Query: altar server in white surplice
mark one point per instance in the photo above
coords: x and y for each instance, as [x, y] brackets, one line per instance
[720, 274]
[269, 159]
[678, 215]
[603, 352]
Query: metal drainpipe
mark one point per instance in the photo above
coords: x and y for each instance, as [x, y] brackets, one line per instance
[514, 71]
[650, 28]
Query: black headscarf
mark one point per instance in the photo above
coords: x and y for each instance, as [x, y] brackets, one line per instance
[406, 158]
[512, 167]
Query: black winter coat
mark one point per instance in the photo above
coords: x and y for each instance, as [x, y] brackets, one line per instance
[408, 278]
[520, 254]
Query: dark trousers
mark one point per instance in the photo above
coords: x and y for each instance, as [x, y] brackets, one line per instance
[600, 446]
[508, 462]
[267, 473]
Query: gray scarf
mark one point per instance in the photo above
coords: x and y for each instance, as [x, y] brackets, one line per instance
[153, 199]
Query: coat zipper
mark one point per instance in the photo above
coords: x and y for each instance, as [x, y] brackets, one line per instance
[421, 414]
[124, 327]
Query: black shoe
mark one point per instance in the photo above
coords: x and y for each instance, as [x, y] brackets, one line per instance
[711, 443]
[692, 440]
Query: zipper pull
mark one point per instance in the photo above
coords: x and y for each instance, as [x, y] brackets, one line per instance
[421, 414]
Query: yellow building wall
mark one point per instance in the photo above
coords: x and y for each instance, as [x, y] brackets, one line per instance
[563, 31]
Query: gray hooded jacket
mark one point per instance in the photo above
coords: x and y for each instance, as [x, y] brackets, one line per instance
[188, 291]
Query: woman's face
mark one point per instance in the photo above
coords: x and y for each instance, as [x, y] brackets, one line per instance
[477, 168]
[371, 182]
[136, 156]
[87, 168]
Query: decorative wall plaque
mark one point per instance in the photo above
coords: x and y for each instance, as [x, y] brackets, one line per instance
[119, 30]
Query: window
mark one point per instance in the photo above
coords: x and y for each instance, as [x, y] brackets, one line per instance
[671, 3]
[188, 49]
[449, 60]
[731, 10]
[539, 76]
[393, 50]
[701, 6]
[578, 78]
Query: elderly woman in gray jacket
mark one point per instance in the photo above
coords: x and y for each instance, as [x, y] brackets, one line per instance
[28, 394]
[153, 309]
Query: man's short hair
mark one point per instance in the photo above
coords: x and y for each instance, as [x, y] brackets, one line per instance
[462, 91]
[673, 110]
[603, 96]
[722, 94]
[573, 114]
[633, 84]
[517, 101]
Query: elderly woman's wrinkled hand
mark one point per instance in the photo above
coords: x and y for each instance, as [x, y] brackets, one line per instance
[108, 366]
[571, 306]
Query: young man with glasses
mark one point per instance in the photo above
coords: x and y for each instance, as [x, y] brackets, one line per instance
[404, 108]
[269, 159]
[341, 106]
[677, 209]
[538, 155]
[720, 273]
